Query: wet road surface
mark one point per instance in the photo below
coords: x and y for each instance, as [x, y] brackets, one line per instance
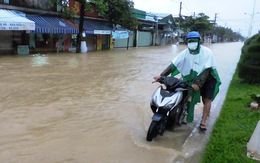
[94, 107]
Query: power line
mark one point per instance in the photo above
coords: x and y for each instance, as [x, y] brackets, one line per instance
[186, 8]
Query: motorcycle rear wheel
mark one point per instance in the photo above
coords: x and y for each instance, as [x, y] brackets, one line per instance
[153, 131]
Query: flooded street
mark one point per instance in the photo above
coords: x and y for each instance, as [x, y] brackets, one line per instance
[94, 107]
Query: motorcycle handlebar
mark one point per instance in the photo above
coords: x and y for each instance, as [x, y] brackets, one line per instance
[163, 80]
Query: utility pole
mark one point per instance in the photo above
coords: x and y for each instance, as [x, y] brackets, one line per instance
[180, 9]
[214, 36]
[81, 22]
[215, 20]
[251, 21]
[179, 21]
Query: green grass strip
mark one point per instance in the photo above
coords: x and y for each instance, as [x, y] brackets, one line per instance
[234, 126]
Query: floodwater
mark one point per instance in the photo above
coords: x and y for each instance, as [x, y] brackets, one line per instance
[94, 107]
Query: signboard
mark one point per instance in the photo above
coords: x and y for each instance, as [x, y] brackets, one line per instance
[16, 26]
[75, 6]
[14, 20]
[120, 34]
[102, 32]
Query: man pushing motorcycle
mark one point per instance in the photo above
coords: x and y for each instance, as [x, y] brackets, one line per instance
[197, 66]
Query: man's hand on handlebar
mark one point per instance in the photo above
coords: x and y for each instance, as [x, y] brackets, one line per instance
[156, 78]
[195, 87]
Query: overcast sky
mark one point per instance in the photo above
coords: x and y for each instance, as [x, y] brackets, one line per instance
[230, 13]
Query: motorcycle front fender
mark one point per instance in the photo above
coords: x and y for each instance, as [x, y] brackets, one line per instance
[158, 117]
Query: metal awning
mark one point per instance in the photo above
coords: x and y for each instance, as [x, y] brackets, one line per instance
[15, 20]
[55, 25]
[92, 26]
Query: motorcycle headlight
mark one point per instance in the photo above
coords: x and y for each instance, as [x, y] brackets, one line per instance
[169, 105]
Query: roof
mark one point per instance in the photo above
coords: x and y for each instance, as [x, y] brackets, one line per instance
[168, 20]
[15, 20]
[94, 26]
[48, 24]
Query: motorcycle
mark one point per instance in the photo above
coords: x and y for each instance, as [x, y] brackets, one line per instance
[168, 104]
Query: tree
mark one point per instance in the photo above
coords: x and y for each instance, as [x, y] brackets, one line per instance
[249, 63]
[200, 23]
[120, 13]
[226, 34]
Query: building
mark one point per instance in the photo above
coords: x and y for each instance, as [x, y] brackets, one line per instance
[49, 27]
[153, 30]
[167, 30]
[97, 32]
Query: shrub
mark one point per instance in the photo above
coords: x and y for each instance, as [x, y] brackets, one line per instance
[249, 63]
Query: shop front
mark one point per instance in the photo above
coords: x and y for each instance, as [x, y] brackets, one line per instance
[50, 32]
[98, 34]
[14, 27]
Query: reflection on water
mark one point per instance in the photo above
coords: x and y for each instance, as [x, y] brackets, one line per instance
[90, 107]
[39, 60]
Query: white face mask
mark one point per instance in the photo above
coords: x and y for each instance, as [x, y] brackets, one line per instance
[193, 45]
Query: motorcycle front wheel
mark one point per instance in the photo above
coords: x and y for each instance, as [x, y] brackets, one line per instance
[153, 130]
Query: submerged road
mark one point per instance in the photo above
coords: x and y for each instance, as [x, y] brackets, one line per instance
[94, 107]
